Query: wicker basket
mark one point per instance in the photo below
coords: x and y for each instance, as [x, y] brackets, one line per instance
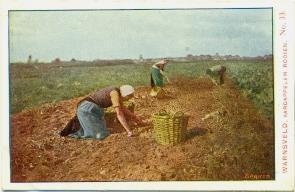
[169, 129]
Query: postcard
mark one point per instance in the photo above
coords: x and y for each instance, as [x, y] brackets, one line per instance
[147, 95]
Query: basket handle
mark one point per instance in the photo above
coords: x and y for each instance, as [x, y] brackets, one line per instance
[162, 111]
[178, 114]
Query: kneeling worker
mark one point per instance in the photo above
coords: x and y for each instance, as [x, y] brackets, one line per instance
[89, 121]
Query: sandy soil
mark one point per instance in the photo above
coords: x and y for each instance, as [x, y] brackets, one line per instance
[235, 144]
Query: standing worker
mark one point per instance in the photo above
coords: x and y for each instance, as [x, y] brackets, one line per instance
[216, 73]
[157, 78]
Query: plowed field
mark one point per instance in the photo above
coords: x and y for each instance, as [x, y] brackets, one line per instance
[235, 142]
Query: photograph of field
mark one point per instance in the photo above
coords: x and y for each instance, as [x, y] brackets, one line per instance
[61, 57]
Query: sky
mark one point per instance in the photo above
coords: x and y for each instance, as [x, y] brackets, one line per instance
[123, 34]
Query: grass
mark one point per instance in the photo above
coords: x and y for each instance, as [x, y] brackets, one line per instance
[33, 85]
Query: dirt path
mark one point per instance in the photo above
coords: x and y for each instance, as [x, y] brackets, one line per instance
[235, 144]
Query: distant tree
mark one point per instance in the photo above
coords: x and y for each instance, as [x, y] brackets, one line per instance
[140, 58]
[208, 57]
[73, 60]
[216, 56]
[30, 59]
[56, 61]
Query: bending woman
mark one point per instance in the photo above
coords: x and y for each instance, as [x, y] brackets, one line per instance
[90, 113]
[157, 78]
[217, 73]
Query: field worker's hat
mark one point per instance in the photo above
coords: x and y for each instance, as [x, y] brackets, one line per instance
[162, 62]
[126, 90]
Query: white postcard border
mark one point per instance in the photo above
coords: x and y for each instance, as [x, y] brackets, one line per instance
[283, 181]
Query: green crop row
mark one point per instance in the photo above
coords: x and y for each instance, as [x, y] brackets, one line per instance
[33, 85]
[256, 81]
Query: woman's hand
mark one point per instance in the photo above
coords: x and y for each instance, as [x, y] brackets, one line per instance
[122, 120]
[129, 133]
[137, 120]
[146, 121]
[141, 121]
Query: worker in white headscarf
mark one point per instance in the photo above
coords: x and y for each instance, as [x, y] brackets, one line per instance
[90, 113]
[216, 73]
[157, 78]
